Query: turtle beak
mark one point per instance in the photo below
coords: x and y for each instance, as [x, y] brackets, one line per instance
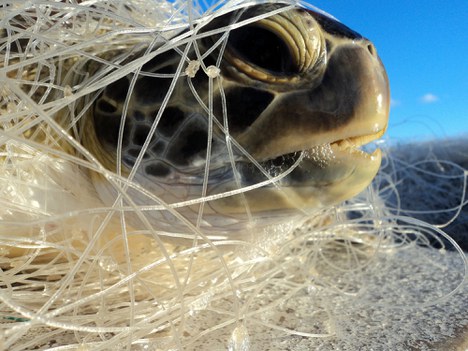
[351, 102]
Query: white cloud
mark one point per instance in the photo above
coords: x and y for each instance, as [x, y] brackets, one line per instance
[429, 98]
[394, 103]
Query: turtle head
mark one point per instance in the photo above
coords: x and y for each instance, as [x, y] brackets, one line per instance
[279, 129]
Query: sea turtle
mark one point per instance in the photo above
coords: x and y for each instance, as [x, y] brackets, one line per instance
[271, 123]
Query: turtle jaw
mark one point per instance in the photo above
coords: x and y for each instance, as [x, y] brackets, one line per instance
[327, 175]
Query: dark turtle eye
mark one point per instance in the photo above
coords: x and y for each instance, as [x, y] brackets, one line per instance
[262, 48]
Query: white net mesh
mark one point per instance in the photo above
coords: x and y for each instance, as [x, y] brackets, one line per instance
[75, 275]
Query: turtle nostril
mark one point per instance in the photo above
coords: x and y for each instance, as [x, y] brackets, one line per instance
[371, 49]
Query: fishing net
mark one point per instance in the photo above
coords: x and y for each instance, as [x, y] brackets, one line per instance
[75, 275]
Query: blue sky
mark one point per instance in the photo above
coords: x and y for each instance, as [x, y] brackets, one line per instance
[424, 46]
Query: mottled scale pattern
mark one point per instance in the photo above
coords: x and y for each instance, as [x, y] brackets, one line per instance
[181, 138]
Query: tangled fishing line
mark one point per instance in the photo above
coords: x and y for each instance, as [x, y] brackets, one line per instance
[75, 276]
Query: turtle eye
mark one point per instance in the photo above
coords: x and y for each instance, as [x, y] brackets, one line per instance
[263, 49]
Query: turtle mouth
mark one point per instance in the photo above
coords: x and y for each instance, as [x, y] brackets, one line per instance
[343, 151]
[314, 177]
[354, 144]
